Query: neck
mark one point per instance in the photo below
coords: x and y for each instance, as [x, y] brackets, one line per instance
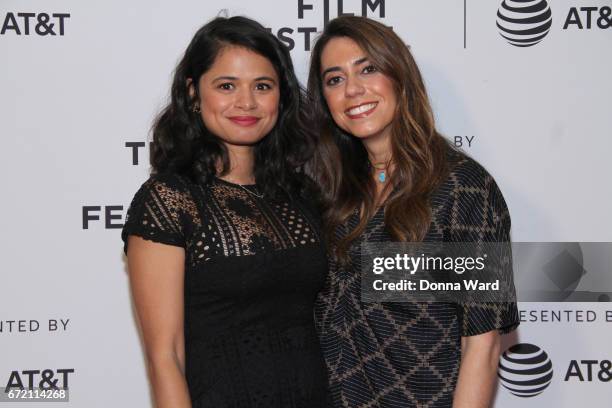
[379, 153]
[242, 163]
[379, 148]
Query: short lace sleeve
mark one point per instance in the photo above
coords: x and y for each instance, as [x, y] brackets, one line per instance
[162, 211]
[479, 214]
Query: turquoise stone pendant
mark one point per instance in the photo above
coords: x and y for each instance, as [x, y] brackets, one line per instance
[382, 176]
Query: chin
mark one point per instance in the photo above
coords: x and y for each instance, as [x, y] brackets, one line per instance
[247, 141]
[365, 134]
[250, 135]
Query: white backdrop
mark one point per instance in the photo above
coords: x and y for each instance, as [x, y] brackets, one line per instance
[538, 119]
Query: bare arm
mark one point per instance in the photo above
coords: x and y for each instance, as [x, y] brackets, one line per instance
[478, 371]
[156, 276]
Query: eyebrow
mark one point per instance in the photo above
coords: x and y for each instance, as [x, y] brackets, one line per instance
[333, 69]
[232, 78]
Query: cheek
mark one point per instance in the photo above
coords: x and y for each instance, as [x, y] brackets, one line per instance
[269, 104]
[211, 121]
[335, 104]
[212, 107]
[212, 104]
[386, 89]
[391, 104]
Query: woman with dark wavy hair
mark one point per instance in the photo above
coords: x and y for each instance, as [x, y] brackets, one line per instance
[224, 251]
[387, 175]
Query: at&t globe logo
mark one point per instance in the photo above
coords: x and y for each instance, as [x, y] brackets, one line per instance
[524, 23]
[525, 370]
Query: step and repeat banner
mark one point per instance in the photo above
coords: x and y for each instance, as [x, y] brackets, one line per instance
[523, 86]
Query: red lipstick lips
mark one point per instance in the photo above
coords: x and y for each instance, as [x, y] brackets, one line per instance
[244, 120]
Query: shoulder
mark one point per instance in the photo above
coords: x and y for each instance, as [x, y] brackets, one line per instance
[167, 183]
[468, 193]
[165, 194]
[465, 178]
[169, 189]
[163, 210]
[465, 172]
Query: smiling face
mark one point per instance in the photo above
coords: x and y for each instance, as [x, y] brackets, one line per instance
[361, 99]
[239, 96]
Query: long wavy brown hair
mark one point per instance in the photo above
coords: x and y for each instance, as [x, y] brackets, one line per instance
[341, 165]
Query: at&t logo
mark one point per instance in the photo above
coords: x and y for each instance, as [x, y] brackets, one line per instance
[524, 23]
[525, 370]
[41, 24]
[45, 379]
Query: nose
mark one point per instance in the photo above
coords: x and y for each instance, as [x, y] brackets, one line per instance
[354, 87]
[246, 100]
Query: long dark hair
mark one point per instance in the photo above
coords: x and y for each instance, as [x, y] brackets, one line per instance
[341, 165]
[183, 145]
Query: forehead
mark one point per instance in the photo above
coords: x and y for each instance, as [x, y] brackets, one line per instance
[241, 62]
[341, 52]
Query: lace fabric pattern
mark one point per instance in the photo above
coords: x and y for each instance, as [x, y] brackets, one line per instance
[253, 267]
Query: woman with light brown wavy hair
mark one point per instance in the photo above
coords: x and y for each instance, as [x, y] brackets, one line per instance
[387, 175]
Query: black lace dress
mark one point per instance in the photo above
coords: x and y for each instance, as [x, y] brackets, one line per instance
[252, 272]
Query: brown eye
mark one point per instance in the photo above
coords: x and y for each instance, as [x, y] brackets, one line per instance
[333, 81]
[369, 69]
[226, 86]
[263, 86]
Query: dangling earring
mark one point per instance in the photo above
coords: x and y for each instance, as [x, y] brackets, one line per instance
[196, 108]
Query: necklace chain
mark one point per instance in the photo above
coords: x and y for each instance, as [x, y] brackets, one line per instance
[249, 191]
[256, 194]
[381, 165]
[381, 168]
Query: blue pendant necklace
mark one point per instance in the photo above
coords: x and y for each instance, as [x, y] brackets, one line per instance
[381, 170]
